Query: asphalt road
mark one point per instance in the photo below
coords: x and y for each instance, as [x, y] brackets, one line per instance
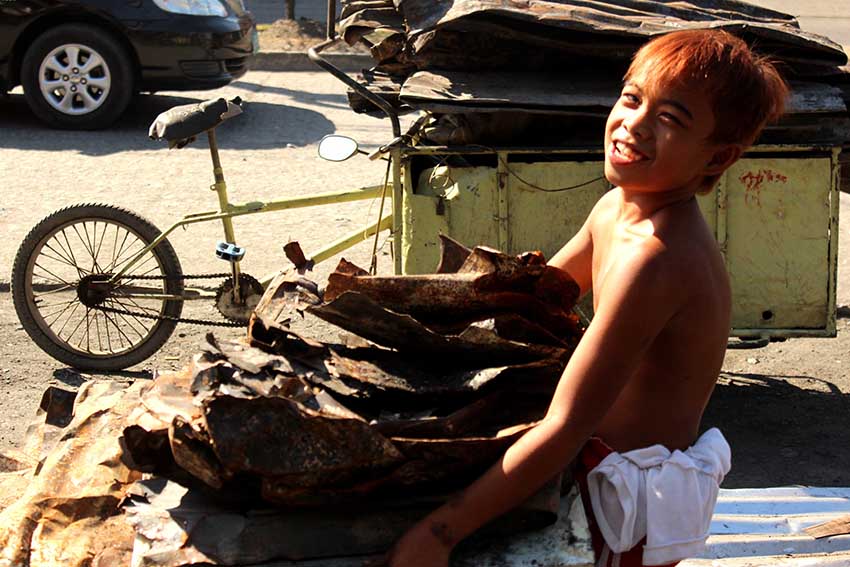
[269, 152]
[774, 403]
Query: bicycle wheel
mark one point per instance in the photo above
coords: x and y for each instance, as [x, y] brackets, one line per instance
[64, 304]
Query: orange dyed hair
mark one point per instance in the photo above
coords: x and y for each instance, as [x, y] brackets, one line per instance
[745, 89]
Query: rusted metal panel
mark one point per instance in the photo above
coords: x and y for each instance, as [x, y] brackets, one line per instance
[312, 421]
[361, 315]
[176, 525]
[69, 513]
[343, 436]
[488, 91]
[587, 93]
[272, 436]
[562, 58]
[548, 22]
[486, 285]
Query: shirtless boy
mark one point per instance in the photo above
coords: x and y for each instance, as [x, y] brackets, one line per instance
[640, 378]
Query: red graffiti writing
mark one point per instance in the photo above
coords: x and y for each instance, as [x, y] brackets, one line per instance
[754, 182]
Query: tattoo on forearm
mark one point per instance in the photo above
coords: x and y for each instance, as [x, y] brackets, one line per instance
[443, 534]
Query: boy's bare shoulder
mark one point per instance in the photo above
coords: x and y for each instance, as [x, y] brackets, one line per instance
[653, 259]
[603, 213]
[655, 271]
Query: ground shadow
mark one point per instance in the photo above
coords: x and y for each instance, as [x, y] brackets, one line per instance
[262, 126]
[75, 378]
[327, 100]
[783, 430]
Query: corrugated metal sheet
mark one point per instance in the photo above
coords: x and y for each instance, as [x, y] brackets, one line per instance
[614, 26]
[558, 93]
[567, 58]
[764, 528]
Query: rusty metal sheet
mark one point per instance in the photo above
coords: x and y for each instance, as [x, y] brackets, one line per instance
[293, 293]
[584, 94]
[359, 314]
[494, 56]
[487, 285]
[452, 255]
[386, 83]
[176, 525]
[595, 24]
[306, 447]
[369, 16]
[69, 514]
[242, 355]
[349, 7]
[304, 423]
[485, 271]
[397, 373]
[458, 449]
[280, 437]
[380, 28]
[488, 91]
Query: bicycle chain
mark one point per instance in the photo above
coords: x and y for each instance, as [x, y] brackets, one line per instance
[168, 317]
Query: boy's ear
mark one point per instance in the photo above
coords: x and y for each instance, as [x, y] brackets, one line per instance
[723, 158]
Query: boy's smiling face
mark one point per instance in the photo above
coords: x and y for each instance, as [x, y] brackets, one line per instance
[658, 139]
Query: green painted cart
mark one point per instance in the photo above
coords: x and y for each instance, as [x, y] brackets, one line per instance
[774, 213]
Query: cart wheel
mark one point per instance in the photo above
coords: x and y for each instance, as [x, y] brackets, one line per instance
[58, 289]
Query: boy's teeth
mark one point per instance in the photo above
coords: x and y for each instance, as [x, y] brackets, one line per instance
[628, 152]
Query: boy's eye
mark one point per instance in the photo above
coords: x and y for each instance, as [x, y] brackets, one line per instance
[629, 97]
[667, 117]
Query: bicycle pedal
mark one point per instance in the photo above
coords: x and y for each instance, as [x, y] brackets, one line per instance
[229, 252]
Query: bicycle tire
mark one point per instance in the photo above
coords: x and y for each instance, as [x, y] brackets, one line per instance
[49, 234]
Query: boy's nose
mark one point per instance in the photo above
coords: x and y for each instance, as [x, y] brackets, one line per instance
[636, 123]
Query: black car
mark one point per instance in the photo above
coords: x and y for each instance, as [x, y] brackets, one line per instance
[81, 61]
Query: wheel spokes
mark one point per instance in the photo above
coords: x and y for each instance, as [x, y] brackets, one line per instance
[55, 65]
[74, 79]
[94, 61]
[71, 301]
[72, 52]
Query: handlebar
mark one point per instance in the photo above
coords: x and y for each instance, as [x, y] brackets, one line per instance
[313, 54]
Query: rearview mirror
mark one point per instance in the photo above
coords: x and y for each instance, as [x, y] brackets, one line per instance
[337, 148]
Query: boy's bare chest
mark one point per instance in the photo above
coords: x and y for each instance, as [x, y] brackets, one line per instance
[610, 248]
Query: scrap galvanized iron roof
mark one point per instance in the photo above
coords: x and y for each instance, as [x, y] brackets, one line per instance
[542, 21]
[562, 57]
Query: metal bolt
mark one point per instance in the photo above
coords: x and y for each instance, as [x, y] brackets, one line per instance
[73, 89]
[75, 70]
[65, 77]
[84, 81]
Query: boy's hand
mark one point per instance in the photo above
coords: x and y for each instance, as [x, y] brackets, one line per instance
[419, 547]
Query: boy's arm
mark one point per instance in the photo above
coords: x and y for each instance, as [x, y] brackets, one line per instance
[640, 296]
[576, 256]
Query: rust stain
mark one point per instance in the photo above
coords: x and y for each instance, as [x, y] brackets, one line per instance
[754, 182]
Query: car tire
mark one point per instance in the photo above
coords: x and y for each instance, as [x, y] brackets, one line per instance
[86, 60]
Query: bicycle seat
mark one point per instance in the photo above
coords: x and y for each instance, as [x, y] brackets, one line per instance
[181, 124]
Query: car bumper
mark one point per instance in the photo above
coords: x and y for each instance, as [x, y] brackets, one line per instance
[205, 53]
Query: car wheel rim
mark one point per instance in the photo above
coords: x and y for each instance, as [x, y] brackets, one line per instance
[74, 79]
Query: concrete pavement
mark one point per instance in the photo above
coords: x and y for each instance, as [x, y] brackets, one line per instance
[267, 153]
[825, 17]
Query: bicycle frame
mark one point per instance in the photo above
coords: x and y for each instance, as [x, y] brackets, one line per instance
[227, 211]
